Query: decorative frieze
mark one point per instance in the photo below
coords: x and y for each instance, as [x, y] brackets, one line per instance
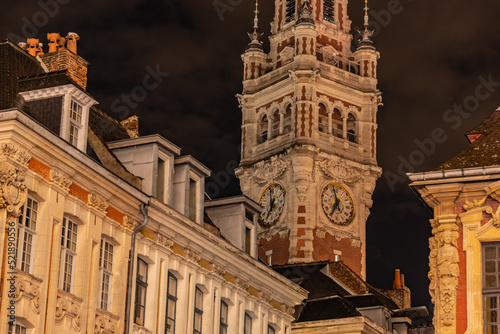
[336, 169]
[287, 309]
[15, 153]
[60, 180]
[241, 283]
[98, 203]
[191, 255]
[163, 240]
[265, 297]
[269, 170]
[130, 222]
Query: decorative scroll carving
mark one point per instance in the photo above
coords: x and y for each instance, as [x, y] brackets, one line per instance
[66, 307]
[217, 269]
[241, 283]
[98, 203]
[13, 191]
[26, 289]
[447, 272]
[192, 256]
[163, 240]
[130, 222]
[338, 170]
[269, 170]
[59, 179]
[287, 309]
[265, 297]
[15, 153]
[432, 265]
[477, 205]
[104, 324]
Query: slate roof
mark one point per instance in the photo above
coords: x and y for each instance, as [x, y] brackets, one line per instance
[484, 151]
[335, 307]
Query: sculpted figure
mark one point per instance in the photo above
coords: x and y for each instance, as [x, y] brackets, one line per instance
[34, 47]
[448, 272]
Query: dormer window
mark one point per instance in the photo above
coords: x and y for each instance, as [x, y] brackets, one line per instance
[75, 122]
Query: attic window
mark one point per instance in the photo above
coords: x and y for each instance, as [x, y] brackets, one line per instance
[328, 10]
[290, 10]
[75, 122]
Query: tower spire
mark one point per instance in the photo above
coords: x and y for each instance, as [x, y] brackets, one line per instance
[255, 43]
[365, 41]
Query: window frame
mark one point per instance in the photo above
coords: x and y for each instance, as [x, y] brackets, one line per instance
[246, 323]
[270, 329]
[27, 230]
[198, 311]
[75, 123]
[223, 322]
[326, 4]
[493, 291]
[173, 299]
[68, 225]
[140, 284]
[105, 272]
[12, 329]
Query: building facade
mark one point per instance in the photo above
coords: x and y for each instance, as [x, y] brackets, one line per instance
[110, 232]
[308, 154]
[463, 194]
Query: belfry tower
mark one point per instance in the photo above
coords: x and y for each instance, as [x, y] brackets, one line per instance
[309, 134]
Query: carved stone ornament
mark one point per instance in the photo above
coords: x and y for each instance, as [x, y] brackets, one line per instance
[163, 240]
[268, 171]
[287, 309]
[26, 289]
[265, 297]
[321, 234]
[98, 203]
[447, 273]
[432, 265]
[130, 222]
[59, 179]
[104, 324]
[191, 255]
[15, 153]
[13, 191]
[65, 307]
[270, 233]
[336, 169]
[217, 269]
[241, 283]
[356, 243]
[478, 205]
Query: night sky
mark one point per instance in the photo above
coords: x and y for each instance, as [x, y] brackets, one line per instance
[433, 54]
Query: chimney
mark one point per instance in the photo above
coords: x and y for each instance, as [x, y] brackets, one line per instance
[400, 294]
[397, 279]
[62, 56]
[33, 47]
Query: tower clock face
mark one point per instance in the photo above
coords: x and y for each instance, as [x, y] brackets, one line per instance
[337, 204]
[273, 201]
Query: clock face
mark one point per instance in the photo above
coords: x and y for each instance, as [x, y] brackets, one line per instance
[273, 201]
[337, 204]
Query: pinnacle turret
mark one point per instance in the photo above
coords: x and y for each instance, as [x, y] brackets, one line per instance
[305, 14]
[255, 42]
[365, 41]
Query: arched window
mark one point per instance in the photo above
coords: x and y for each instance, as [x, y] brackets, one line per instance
[351, 129]
[263, 127]
[275, 125]
[287, 119]
[322, 119]
[337, 124]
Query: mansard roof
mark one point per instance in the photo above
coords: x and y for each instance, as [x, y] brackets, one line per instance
[483, 151]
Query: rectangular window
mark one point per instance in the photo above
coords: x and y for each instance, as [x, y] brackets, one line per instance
[75, 122]
[271, 330]
[17, 329]
[223, 317]
[491, 287]
[140, 291]
[198, 311]
[171, 304]
[248, 324]
[26, 235]
[76, 112]
[193, 199]
[68, 253]
[290, 10]
[160, 181]
[329, 10]
[106, 270]
[248, 241]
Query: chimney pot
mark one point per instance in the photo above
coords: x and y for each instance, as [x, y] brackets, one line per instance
[397, 279]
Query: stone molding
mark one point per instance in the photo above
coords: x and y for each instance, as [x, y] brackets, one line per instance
[265, 297]
[130, 222]
[15, 154]
[98, 203]
[241, 283]
[217, 269]
[287, 309]
[163, 240]
[191, 255]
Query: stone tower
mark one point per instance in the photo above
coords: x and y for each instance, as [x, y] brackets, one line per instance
[309, 134]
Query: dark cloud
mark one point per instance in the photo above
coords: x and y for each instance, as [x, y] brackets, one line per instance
[432, 53]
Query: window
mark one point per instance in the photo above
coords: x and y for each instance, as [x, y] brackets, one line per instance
[337, 124]
[322, 119]
[248, 324]
[275, 126]
[248, 241]
[160, 181]
[141, 285]
[193, 199]
[491, 287]
[351, 129]
[263, 128]
[17, 329]
[328, 10]
[290, 10]
[287, 119]
[68, 253]
[223, 317]
[26, 234]
[75, 122]
[106, 270]
[198, 310]
[270, 330]
[171, 304]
